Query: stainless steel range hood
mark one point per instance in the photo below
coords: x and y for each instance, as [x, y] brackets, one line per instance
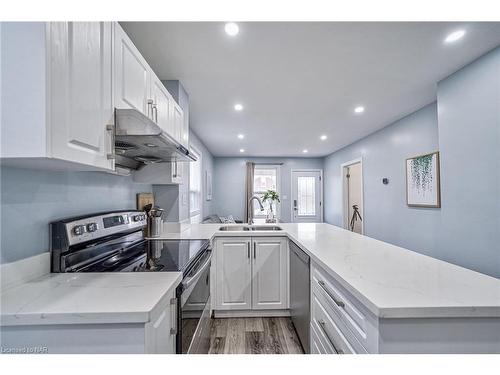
[140, 141]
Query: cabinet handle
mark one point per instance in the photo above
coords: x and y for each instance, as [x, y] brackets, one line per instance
[254, 250]
[155, 113]
[175, 170]
[150, 108]
[248, 250]
[330, 294]
[111, 129]
[173, 329]
[322, 324]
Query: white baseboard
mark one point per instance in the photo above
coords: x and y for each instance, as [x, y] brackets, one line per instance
[250, 313]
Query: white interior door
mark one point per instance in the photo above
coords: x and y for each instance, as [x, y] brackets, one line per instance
[307, 205]
[353, 209]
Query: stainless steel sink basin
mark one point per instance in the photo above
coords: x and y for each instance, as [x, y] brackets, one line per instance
[265, 227]
[234, 228]
[240, 228]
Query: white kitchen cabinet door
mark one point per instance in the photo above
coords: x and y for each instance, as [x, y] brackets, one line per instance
[162, 106]
[161, 330]
[132, 75]
[80, 101]
[233, 274]
[178, 121]
[185, 130]
[270, 273]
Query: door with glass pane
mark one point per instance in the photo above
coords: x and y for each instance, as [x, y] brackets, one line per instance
[307, 206]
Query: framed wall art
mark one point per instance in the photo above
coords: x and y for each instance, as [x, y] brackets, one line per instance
[422, 181]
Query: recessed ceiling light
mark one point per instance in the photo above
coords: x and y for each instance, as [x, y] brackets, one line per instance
[454, 36]
[238, 107]
[231, 29]
[241, 136]
[359, 109]
[323, 137]
[304, 151]
[242, 150]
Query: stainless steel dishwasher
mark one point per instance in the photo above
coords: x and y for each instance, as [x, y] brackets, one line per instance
[300, 293]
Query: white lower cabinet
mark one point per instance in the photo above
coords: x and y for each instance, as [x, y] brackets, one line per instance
[339, 323]
[160, 332]
[251, 273]
[269, 273]
[154, 337]
[233, 277]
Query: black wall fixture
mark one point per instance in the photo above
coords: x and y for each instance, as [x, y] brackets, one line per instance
[385, 181]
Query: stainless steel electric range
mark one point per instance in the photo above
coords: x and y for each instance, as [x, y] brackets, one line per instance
[115, 242]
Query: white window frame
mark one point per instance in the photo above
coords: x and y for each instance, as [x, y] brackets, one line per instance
[257, 213]
[199, 156]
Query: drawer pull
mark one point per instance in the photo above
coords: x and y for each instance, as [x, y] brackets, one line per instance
[322, 325]
[337, 302]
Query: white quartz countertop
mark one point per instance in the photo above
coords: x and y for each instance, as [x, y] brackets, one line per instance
[392, 282]
[84, 298]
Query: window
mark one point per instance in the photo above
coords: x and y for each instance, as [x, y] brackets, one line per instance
[306, 195]
[195, 184]
[266, 177]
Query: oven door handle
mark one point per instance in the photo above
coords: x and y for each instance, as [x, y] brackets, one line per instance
[192, 279]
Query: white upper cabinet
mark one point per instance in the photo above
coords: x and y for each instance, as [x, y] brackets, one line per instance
[59, 79]
[81, 92]
[64, 80]
[132, 75]
[163, 104]
[178, 122]
[138, 87]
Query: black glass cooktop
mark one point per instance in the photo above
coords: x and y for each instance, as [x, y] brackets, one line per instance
[151, 256]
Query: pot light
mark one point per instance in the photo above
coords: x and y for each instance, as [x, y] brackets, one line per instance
[231, 29]
[305, 151]
[323, 137]
[241, 136]
[454, 36]
[242, 150]
[238, 107]
[359, 109]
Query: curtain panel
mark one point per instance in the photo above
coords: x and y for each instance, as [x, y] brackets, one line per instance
[249, 191]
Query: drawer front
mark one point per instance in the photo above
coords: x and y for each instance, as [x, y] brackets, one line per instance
[328, 331]
[317, 346]
[342, 305]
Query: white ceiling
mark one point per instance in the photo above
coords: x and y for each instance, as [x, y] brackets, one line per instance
[298, 81]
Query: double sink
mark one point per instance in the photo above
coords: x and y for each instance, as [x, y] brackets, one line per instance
[240, 228]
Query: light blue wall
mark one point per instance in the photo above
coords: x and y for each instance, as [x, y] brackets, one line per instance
[464, 126]
[469, 140]
[229, 183]
[30, 199]
[386, 215]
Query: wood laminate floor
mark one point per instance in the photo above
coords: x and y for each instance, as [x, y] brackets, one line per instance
[254, 336]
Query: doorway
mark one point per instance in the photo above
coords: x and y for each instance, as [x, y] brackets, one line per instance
[307, 196]
[352, 193]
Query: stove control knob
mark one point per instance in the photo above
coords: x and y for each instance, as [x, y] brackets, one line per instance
[92, 227]
[78, 230]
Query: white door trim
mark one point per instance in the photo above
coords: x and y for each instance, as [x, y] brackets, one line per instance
[321, 205]
[345, 209]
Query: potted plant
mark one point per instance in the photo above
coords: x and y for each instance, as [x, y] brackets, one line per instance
[271, 196]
